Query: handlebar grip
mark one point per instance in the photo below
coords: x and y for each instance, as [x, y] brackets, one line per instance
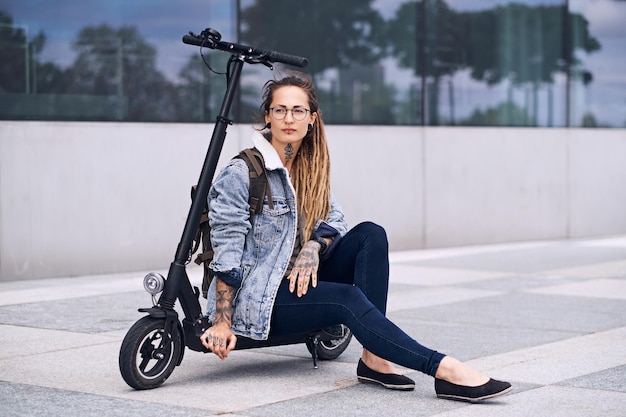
[296, 61]
[192, 40]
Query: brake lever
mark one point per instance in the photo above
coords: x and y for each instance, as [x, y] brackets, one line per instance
[258, 59]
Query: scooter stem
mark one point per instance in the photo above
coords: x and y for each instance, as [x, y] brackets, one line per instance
[177, 284]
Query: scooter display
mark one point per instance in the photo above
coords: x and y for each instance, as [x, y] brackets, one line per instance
[155, 344]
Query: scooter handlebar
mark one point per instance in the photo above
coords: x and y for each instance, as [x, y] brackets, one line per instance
[263, 55]
[296, 61]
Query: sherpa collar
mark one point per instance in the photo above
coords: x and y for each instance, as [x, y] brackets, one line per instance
[272, 160]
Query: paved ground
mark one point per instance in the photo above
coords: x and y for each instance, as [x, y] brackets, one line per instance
[548, 316]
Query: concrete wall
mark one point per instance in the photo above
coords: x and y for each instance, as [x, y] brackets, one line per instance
[89, 198]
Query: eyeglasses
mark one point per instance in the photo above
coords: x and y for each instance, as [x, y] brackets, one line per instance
[298, 113]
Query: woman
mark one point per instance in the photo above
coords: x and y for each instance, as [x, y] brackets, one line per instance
[296, 267]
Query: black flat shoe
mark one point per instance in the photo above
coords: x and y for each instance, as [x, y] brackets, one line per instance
[390, 381]
[490, 389]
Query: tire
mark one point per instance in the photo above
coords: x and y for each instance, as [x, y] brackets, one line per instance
[145, 362]
[331, 349]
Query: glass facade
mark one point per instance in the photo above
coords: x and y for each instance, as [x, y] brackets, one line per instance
[545, 63]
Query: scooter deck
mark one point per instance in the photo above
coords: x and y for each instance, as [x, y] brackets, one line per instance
[192, 340]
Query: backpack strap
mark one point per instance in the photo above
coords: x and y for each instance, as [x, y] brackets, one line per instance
[259, 188]
[259, 185]
[203, 237]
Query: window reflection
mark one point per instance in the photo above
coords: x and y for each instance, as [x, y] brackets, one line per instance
[416, 62]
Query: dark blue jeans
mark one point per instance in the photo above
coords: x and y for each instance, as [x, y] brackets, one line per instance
[352, 290]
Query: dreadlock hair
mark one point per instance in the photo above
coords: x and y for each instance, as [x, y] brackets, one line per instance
[311, 165]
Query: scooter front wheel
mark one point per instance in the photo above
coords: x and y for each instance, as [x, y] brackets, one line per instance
[148, 355]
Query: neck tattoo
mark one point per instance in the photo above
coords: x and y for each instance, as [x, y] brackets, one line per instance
[288, 152]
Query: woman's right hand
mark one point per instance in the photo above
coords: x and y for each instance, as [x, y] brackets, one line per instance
[219, 339]
[304, 271]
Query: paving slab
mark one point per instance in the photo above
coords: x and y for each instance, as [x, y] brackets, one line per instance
[552, 363]
[467, 341]
[567, 255]
[19, 400]
[616, 269]
[613, 379]
[549, 401]
[608, 288]
[20, 341]
[548, 316]
[531, 311]
[437, 276]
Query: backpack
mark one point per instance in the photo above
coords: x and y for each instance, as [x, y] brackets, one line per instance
[259, 188]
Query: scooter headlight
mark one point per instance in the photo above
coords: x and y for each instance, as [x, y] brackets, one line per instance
[153, 283]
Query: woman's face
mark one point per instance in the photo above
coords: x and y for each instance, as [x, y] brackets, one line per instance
[289, 115]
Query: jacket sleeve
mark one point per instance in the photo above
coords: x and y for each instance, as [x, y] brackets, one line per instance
[335, 227]
[229, 218]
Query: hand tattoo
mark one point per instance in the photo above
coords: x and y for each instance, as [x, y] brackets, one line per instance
[305, 268]
[307, 258]
[288, 152]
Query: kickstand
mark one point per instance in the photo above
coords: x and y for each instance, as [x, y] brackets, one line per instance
[314, 341]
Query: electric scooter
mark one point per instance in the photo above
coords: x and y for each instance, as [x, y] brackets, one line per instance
[155, 344]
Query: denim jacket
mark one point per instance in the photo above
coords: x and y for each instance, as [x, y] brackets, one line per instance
[252, 255]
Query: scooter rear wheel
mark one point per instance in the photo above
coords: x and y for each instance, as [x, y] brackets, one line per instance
[148, 356]
[328, 350]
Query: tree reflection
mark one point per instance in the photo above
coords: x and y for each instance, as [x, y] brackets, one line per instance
[427, 37]
[119, 62]
[524, 45]
[330, 33]
[516, 46]
[347, 36]
[16, 56]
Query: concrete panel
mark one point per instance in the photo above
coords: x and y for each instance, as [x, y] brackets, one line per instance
[378, 176]
[494, 185]
[80, 198]
[597, 182]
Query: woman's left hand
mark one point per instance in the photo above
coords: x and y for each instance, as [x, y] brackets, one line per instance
[305, 268]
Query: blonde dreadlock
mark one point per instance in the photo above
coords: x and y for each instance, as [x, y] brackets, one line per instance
[311, 177]
[311, 166]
